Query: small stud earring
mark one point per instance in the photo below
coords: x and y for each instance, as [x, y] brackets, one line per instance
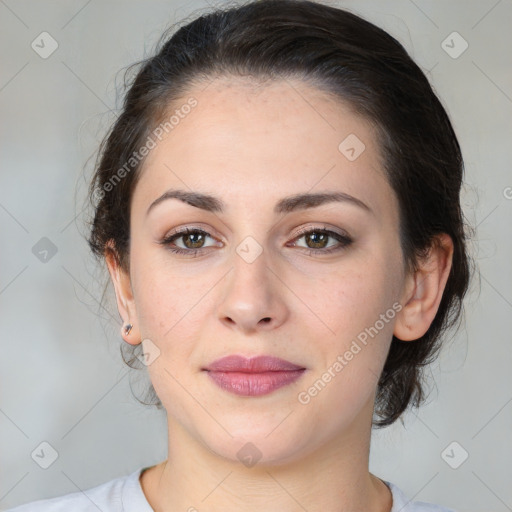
[128, 328]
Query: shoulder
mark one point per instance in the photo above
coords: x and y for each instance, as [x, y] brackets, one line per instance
[403, 504]
[122, 494]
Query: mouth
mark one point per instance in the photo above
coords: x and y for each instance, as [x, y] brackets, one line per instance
[253, 377]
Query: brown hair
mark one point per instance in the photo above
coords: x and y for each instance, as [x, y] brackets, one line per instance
[343, 55]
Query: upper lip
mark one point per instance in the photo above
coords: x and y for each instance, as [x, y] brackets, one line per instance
[257, 364]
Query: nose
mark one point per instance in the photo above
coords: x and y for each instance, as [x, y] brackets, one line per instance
[253, 296]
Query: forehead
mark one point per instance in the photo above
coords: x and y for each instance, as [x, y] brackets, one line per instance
[243, 139]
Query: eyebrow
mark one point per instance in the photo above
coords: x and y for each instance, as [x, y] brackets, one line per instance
[285, 205]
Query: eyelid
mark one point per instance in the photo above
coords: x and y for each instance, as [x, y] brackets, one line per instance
[182, 231]
[307, 229]
[191, 228]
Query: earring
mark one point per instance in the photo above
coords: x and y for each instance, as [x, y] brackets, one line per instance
[127, 328]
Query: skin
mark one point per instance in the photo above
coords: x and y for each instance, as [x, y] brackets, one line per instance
[251, 146]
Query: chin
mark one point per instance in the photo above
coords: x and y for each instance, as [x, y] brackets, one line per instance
[257, 447]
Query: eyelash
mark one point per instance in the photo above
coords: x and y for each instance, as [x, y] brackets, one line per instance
[343, 239]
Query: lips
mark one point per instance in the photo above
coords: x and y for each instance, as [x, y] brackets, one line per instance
[257, 364]
[253, 377]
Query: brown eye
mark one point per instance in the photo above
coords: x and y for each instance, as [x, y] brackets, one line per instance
[193, 241]
[318, 239]
[196, 239]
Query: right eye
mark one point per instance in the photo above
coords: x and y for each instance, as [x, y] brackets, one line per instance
[195, 237]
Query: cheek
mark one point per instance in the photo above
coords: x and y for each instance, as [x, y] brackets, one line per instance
[360, 315]
[357, 307]
[164, 296]
[173, 309]
[168, 308]
[348, 302]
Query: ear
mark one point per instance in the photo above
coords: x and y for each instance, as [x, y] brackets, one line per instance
[424, 289]
[124, 295]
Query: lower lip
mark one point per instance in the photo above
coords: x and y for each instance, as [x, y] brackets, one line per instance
[254, 384]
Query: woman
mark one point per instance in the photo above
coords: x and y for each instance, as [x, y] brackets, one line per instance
[278, 209]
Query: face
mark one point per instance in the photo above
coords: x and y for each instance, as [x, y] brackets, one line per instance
[315, 283]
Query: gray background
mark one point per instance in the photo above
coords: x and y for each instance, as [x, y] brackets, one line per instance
[62, 380]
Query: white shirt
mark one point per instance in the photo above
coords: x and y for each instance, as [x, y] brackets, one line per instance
[125, 494]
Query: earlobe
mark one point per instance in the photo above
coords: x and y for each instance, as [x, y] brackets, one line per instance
[124, 297]
[424, 290]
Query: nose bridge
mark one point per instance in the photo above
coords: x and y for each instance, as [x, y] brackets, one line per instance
[252, 258]
[250, 298]
[251, 250]
[250, 267]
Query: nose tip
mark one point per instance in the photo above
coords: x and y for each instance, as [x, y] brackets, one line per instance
[249, 292]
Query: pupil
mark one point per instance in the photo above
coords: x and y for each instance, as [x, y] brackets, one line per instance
[322, 235]
[192, 236]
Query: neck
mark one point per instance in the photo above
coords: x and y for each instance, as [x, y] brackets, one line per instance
[332, 478]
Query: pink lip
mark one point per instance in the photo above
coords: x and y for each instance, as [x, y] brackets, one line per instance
[253, 377]
[257, 364]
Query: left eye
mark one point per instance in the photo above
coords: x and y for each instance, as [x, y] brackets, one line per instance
[319, 237]
[194, 239]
